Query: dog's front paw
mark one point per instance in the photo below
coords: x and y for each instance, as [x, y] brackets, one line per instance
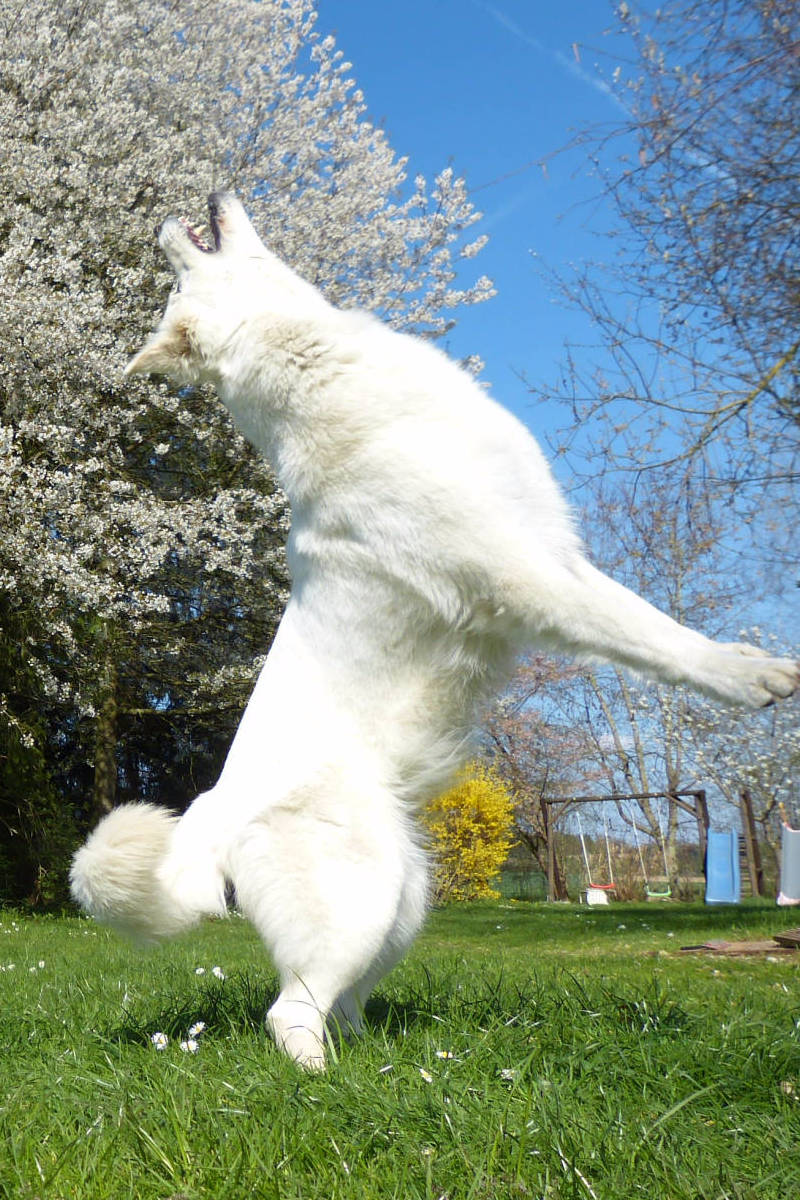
[779, 678]
[758, 679]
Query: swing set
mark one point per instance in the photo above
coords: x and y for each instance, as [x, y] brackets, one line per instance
[554, 807]
[598, 893]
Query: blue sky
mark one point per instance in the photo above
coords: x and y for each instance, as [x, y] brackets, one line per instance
[490, 88]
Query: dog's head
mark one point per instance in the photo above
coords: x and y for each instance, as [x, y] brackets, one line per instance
[220, 283]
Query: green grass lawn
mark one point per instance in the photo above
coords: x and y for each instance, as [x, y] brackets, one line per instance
[522, 1050]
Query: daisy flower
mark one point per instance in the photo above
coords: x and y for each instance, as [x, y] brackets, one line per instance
[159, 1040]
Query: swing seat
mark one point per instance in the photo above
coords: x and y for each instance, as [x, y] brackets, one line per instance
[597, 893]
[653, 895]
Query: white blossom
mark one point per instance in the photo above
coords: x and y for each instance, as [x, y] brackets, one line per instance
[125, 502]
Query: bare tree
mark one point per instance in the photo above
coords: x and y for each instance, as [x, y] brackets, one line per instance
[685, 413]
[589, 729]
[536, 752]
[697, 318]
[765, 763]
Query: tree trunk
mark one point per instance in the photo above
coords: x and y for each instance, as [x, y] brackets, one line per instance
[754, 865]
[104, 792]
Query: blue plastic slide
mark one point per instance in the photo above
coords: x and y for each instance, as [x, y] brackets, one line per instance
[723, 885]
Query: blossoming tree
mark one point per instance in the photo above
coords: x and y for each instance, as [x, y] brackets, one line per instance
[764, 763]
[141, 564]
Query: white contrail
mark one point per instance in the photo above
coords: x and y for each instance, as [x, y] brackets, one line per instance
[571, 65]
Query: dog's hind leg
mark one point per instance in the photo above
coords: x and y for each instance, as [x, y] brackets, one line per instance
[348, 1011]
[321, 876]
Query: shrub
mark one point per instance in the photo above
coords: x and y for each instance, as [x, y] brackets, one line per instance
[471, 833]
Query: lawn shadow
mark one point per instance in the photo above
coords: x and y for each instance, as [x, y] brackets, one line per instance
[453, 995]
[394, 1016]
[237, 1004]
[676, 917]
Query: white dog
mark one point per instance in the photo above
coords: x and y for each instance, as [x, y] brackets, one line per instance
[429, 546]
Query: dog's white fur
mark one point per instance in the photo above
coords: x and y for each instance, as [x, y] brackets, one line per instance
[429, 546]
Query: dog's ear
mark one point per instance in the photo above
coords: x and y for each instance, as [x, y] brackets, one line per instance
[168, 352]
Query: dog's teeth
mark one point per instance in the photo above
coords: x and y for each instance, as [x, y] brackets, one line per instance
[195, 232]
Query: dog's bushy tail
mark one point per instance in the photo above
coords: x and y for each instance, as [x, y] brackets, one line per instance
[136, 873]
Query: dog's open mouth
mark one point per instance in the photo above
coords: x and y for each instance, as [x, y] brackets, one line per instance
[197, 234]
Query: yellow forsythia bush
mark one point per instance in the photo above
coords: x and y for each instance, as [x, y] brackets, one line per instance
[471, 828]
